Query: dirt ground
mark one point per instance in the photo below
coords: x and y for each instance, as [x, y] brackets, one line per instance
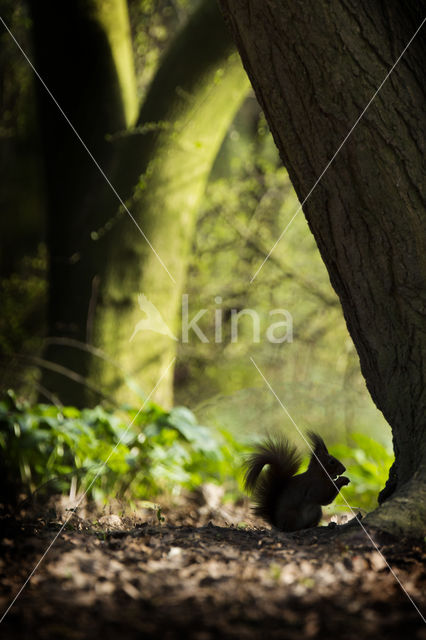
[203, 573]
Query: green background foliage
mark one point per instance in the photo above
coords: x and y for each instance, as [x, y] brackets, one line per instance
[367, 465]
[131, 454]
[138, 455]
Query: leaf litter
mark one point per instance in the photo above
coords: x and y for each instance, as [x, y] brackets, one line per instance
[205, 572]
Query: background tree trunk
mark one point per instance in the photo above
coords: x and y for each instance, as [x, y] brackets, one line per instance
[98, 260]
[85, 58]
[314, 68]
[191, 103]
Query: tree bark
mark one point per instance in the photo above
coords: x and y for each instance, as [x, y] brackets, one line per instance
[192, 101]
[99, 262]
[314, 67]
[77, 56]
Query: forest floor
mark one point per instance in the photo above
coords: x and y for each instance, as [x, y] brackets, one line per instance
[204, 574]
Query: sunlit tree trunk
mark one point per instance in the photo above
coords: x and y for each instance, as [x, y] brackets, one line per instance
[191, 103]
[99, 261]
[314, 67]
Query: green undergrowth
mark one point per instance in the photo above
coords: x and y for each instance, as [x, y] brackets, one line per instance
[367, 465]
[126, 454]
[137, 455]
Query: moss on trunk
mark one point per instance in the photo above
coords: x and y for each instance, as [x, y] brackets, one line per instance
[192, 102]
[99, 265]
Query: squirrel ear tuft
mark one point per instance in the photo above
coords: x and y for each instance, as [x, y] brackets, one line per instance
[317, 442]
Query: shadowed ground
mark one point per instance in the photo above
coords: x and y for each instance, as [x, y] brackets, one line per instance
[189, 578]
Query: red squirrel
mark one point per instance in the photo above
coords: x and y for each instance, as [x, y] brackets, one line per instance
[288, 501]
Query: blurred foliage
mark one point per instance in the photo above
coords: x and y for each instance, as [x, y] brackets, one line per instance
[248, 203]
[367, 466]
[153, 24]
[23, 295]
[138, 455]
[16, 96]
[22, 192]
[135, 455]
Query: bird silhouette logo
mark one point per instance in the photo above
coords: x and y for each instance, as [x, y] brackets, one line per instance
[153, 320]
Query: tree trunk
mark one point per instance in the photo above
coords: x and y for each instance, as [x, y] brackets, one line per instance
[85, 58]
[99, 261]
[191, 103]
[314, 67]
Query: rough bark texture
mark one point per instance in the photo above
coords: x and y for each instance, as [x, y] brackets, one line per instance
[314, 67]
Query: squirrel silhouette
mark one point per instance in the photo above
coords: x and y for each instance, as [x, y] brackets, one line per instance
[287, 500]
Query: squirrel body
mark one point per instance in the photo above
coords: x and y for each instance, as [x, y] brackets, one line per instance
[287, 500]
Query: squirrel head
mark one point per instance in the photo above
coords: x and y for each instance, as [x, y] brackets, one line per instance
[321, 459]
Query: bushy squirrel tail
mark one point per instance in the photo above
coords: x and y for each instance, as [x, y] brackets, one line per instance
[283, 460]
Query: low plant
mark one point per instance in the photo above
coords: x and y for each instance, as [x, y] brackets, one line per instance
[104, 453]
[367, 465]
[138, 455]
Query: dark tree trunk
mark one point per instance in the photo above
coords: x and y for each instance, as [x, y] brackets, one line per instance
[74, 54]
[314, 67]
